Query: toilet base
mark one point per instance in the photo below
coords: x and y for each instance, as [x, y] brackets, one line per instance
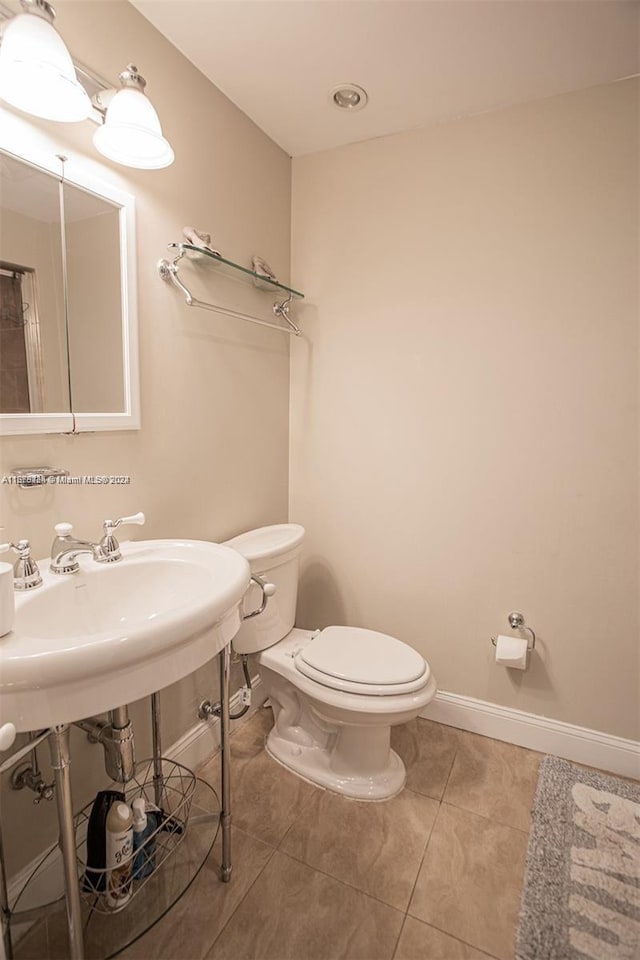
[314, 763]
[336, 739]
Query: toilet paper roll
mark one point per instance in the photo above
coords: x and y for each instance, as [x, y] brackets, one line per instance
[6, 598]
[512, 652]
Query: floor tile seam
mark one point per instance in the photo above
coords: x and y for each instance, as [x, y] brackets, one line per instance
[31, 933]
[426, 843]
[427, 796]
[301, 860]
[344, 883]
[416, 793]
[422, 858]
[297, 817]
[399, 937]
[430, 923]
[309, 800]
[255, 836]
[495, 820]
[453, 760]
[467, 943]
[240, 901]
[293, 823]
[285, 835]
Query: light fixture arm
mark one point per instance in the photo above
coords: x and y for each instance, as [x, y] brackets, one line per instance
[131, 78]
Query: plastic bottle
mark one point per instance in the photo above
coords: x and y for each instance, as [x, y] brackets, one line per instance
[95, 875]
[119, 850]
[144, 824]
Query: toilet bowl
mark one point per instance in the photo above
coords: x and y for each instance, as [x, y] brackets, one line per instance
[336, 692]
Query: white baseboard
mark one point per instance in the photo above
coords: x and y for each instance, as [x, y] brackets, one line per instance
[591, 747]
[192, 749]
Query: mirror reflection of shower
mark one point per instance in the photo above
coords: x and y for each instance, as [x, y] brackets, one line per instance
[21, 369]
[33, 354]
[85, 330]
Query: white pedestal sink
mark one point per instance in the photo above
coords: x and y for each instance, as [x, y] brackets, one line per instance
[92, 641]
[88, 642]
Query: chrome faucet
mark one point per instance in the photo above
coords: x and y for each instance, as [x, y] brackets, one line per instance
[65, 549]
[25, 570]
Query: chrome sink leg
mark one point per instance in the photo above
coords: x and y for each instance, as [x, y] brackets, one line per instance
[224, 660]
[4, 908]
[157, 749]
[60, 760]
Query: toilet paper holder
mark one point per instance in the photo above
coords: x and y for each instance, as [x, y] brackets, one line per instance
[516, 621]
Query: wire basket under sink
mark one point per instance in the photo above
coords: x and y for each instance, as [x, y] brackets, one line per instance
[170, 800]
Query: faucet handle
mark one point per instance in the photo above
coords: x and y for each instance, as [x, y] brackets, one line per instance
[7, 730]
[22, 547]
[109, 546]
[110, 525]
[63, 529]
[25, 570]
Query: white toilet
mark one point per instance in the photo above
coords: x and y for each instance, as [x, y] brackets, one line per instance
[336, 692]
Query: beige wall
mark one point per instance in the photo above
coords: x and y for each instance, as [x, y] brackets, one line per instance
[211, 457]
[464, 406]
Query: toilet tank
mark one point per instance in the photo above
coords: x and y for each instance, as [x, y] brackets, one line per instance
[273, 554]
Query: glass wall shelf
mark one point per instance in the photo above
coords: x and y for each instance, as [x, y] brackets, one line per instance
[259, 279]
[168, 270]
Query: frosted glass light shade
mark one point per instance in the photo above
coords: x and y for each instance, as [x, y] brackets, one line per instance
[131, 134]
[36, 71]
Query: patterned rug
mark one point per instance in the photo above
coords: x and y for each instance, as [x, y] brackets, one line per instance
[581, 895]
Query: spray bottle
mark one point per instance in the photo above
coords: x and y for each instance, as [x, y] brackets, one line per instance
[119, 855]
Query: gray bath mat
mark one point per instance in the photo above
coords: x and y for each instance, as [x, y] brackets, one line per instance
[581, 895]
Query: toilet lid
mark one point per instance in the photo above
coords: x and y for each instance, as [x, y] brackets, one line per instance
[362, 661]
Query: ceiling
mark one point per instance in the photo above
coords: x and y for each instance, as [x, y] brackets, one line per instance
[421, 61]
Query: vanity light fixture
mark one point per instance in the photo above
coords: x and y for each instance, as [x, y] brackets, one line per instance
[39, 77]
[131, 132]
[37, 74]
[349, 96]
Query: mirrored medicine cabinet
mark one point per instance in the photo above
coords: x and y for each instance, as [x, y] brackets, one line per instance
[68, 319]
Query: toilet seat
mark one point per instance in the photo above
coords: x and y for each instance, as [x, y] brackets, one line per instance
[363, 662]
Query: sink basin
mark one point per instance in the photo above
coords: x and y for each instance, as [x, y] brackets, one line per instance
[110, 634]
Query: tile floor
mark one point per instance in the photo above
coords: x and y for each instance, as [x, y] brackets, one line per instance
[434, 874]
